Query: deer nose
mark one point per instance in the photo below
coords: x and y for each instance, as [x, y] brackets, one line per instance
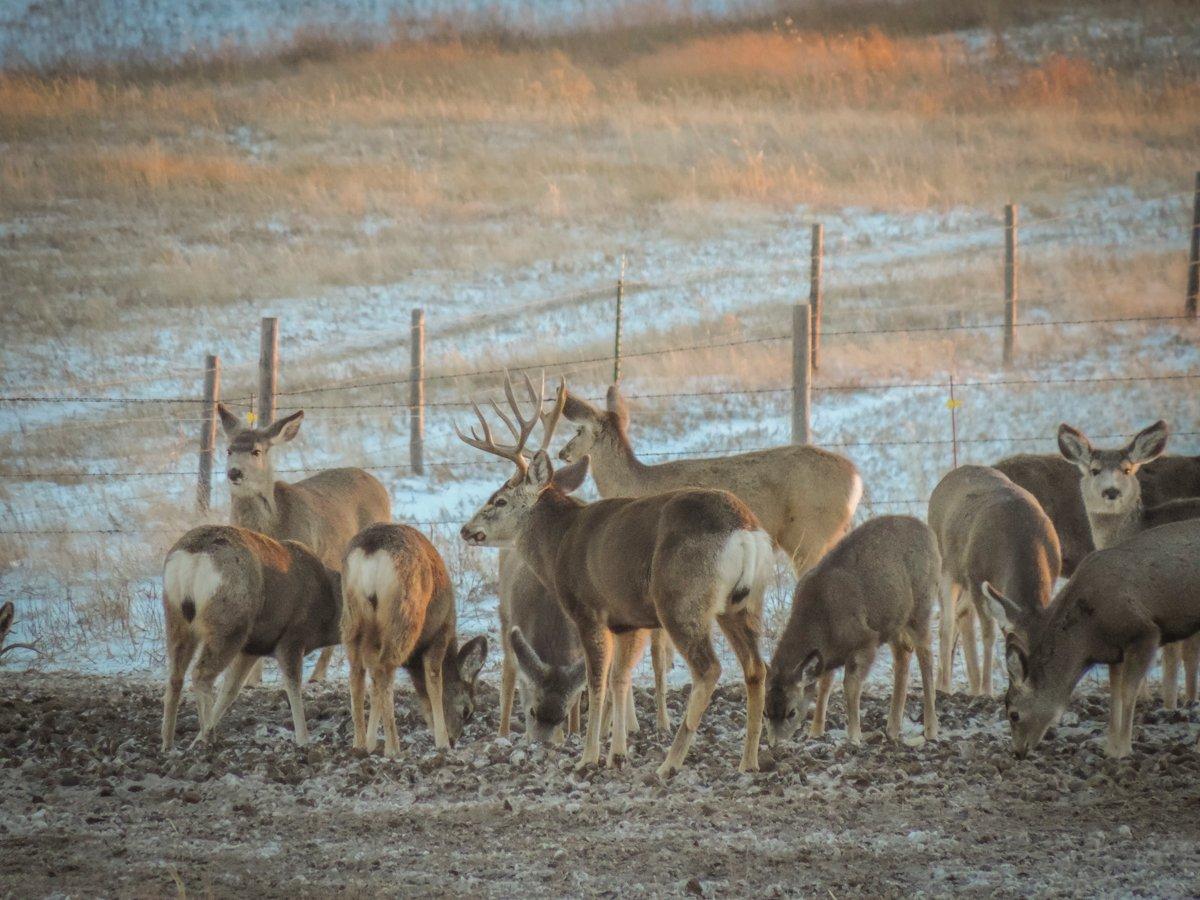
[1110, 493]
[235, 475]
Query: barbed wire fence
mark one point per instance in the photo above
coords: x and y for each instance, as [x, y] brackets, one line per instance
[183, 410]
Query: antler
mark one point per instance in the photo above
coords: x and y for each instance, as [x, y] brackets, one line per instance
[520, 430]
[550, 419]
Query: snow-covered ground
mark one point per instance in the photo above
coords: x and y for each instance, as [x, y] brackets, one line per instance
[736, 285]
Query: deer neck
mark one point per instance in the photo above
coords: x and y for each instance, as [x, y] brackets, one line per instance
[616, 469]
[543, 534]
[1113, 528]
[258, 511]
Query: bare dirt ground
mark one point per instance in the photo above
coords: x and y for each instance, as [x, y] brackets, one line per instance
[88, 806]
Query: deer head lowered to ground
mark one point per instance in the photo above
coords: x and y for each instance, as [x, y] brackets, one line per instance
[619, 567]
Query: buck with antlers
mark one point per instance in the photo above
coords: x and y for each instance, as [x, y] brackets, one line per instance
[619, 567]
[323, 511]
[803, 496]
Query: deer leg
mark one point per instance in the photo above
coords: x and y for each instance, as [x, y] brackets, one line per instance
[597, 653]
[632, 726]
[987, 636]
[629, 649]
[970, 647]
[1137, 662]
[378, 676]
[214, 659]
[661, 655]
[702, 661]
[322, 666]
[857, 667]
[928, 688]
[1191, 667]
[235, 677]
[180, 652]
[1171, 657]
[508, 689]
[432, 661]
[358, 696]
[385, 697]
[255, 677]
[821, 707]
[291, 670]
[901, 659]
[947, 626]
[574, 714]
[741, 632]
[1112, 745]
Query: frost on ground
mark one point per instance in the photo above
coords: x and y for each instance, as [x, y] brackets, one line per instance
[86, 800]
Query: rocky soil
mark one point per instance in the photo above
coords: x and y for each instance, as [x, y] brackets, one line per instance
[88, 806]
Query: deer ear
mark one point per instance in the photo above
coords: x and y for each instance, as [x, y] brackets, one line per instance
[577, 675]
[527, 658]
[576, 410]
[807, 670]
[1018, 663]
[541, 470]
[229, 422]
[617, 407]
[569, 478]
[470, 658]
[1148, 444]
[1006, 613]
[285, 429]
[1074, 445]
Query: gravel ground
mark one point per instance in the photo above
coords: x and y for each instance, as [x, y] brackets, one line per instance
[89, 806]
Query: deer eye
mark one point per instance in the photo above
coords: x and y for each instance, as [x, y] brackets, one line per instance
[791, 714]
[256, 452]
[500, 501]
[1014, 717]
[1095, 470]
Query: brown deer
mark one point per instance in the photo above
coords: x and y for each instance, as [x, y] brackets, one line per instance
[1055, 483]
[988, 529]
[620, 566]
[542, 653]
[239, 595]
[323, 511]
[805, 497]
[398, 610]
[1119, 606]
[876, 586]
[1111, 490]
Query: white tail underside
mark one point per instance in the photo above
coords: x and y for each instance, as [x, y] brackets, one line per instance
[190, 576]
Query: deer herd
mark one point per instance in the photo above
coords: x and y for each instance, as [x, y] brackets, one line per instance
[670, 550]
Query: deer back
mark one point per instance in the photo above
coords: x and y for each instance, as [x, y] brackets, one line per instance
[1169, 478]
[1054, 483]
[990, 529]
[525, 603]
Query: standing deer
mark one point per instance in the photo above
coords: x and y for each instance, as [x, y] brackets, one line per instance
[988, 529]
[398, 610]
[1119, 606]
[323, 511]
[805, 497]
[877, 586]
[1055, 483]
[239, 596]
[620, 566]
[1112, 495]
[542, 653]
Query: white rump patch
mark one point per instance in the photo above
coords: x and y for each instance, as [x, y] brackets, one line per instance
[372, 575]
[745, 567]
[191, 576]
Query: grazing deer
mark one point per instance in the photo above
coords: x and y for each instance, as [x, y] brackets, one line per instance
[805, 497]
[988, 529]
[1119, 606]
[1112, 495]
[239, 595]
[876, 586]
[323, 511]
[398, 610]
[542, 653]
[620, 566]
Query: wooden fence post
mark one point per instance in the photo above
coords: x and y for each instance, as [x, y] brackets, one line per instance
[617, 333]
[208, 430]
[816, 296]
[268, 370]
[953, 404]
[1010, 282]
[801, 373]
[1193, 282]
[416, 395]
